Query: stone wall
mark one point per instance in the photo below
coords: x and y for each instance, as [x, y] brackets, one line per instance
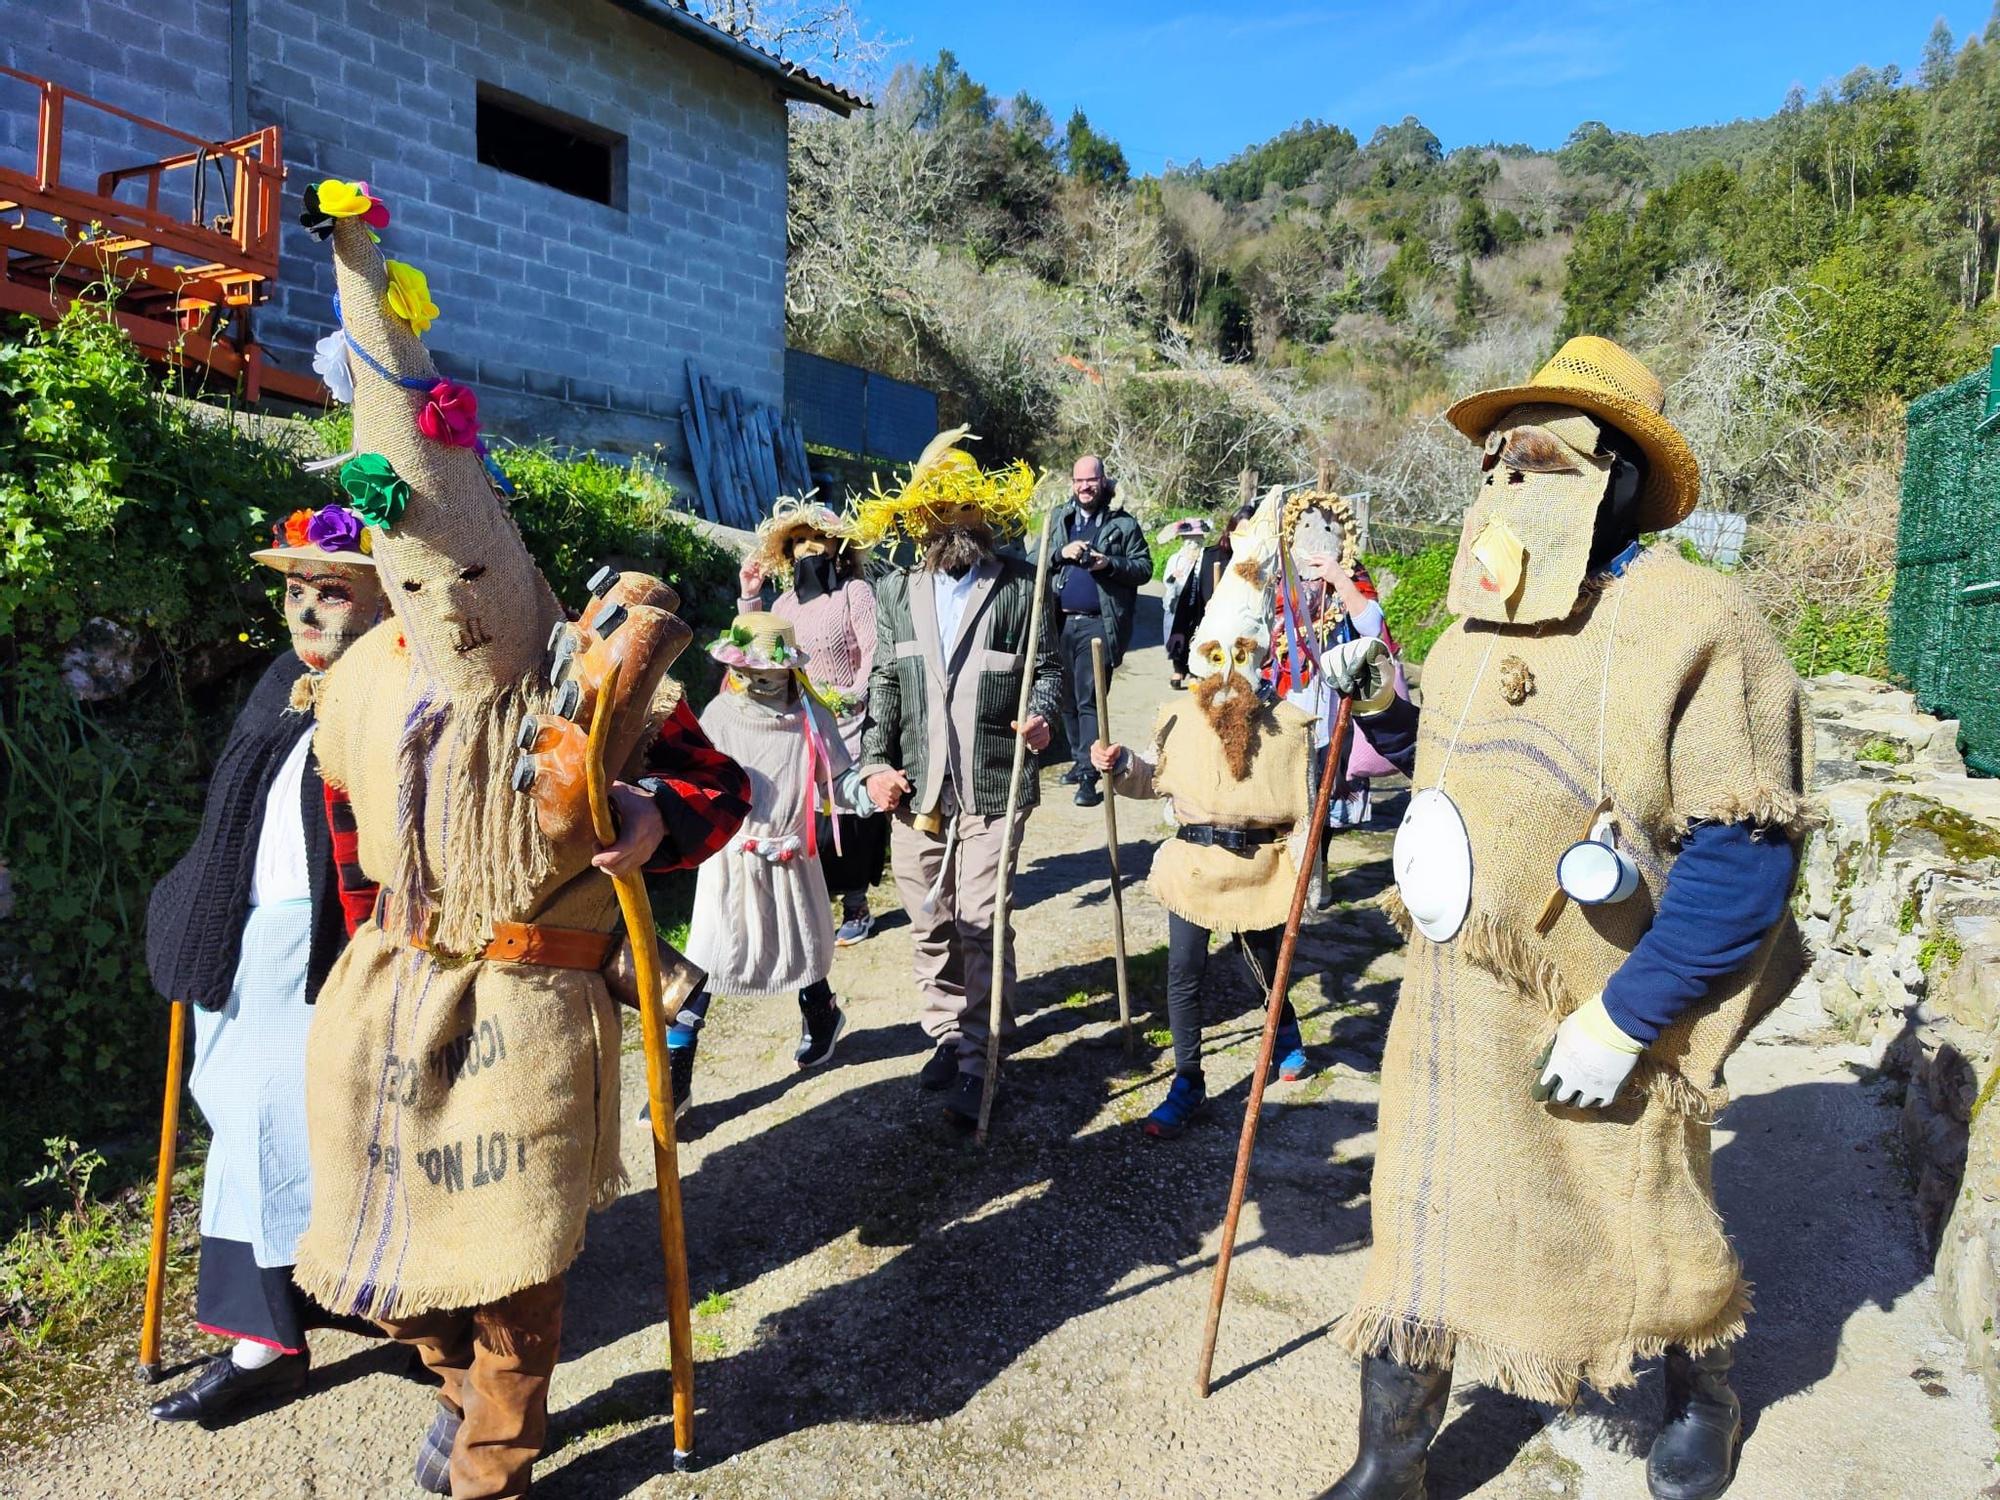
[1901, 900]
[573, 318]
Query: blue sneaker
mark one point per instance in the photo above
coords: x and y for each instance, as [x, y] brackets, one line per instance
[1293, 1064]
[681, 1042]
[1186, 1101]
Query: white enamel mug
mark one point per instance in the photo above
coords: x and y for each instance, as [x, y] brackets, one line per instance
[1596, 872]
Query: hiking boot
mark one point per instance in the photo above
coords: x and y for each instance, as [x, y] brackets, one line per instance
[940, 1068]
[1087, 793]
[820, 1026]
[962, 1103]
[681, 1042]
[1290, 1050]
[1186, 1102]
[224, 1387]
[1073, 775]
[855, 927]
[1695, 1453]
[434, 1453]
[1401, 1411]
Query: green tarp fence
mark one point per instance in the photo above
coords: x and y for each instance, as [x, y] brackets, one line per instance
[1944, 616]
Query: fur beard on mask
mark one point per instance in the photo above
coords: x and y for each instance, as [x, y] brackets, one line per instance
[1230, 703]
[957, 548]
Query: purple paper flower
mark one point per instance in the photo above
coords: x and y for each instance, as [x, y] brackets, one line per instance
[334, 528]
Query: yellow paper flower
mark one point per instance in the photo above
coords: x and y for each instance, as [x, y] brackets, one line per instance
[409, 296]
[344, 200]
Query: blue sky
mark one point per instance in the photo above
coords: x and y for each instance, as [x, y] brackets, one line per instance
[1173, 80]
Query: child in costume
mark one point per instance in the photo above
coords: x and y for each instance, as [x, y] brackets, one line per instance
[761, 922]
[462, 1076]
[832, 607]
[1233, 761]
[1180, 575]
[1595, 871]
[244, 929]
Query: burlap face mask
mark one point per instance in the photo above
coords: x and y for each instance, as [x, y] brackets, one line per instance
[328, 608]
[1525, 545]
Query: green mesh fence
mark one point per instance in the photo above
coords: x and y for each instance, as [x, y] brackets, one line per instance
[1944, 616]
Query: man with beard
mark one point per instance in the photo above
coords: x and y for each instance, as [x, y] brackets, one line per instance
[244, 929]
[1594, 871]
[1101, 559]
[1234, 767]
[938, 748]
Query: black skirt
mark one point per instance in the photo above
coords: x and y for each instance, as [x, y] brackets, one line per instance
[235, 1298]
[864, 848]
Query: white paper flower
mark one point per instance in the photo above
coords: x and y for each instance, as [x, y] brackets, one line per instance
[330, 364]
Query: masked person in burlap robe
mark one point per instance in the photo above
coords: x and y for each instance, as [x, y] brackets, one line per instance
[463, 1067]
[245, 929]
[1542, 1206]
[1233, 762]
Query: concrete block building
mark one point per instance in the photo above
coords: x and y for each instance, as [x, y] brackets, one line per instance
[595, 188]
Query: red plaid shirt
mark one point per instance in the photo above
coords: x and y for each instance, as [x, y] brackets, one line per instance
[704, 799]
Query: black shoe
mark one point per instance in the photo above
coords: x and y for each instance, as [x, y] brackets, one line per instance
[1401, 1411]
[939, 1068]
[1695, 1453]
[1073, 775]
[223, 1387]
[680, 1069]
[820, 1026]
[1087, 794]
[434, 1453]
[962, 1103]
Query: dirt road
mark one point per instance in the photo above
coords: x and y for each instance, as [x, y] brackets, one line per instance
[897, 1314]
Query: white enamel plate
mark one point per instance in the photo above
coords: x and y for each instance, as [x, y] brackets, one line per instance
[1432, 861]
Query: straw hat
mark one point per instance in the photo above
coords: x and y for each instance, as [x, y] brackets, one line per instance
[332, 534]
[1596, 376]
[759, 640]
[946, 488]
[790, 519]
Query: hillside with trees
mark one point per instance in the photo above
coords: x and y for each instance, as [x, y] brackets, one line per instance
[1794, 278]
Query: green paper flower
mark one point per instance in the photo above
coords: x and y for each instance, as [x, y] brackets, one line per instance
[379, 494]
[740, 635]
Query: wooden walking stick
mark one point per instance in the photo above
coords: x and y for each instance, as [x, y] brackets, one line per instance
[1000, 895]
[637, 910]
[1111, 844]
[1280, 982]
[163, 1196]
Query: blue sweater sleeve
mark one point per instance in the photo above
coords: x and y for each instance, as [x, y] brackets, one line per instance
[1724, 894]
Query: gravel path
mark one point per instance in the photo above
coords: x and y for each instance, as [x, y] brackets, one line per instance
[901, 1315]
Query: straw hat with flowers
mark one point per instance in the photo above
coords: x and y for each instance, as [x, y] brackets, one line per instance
[1596, 376]
[331, 534]
[758, 641]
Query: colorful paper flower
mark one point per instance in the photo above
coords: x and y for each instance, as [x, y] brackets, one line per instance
[409, 296]
[352, 200]
[450, 414]
[335, 528]
[296, 525]
[330, 364]
[379, 494]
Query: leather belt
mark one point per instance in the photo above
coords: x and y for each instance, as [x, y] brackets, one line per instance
[1235, 840]
[547, 947]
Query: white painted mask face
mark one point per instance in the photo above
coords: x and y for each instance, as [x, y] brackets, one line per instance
[768, 685]
[328, 607]
[1233, 637]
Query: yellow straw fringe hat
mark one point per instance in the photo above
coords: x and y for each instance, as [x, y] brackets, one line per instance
[946, 487]
[1597, 376]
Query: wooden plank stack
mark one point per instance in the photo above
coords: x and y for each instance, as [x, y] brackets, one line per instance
[744, 454]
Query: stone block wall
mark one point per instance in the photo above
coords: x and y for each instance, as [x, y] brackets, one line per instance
[572, 318]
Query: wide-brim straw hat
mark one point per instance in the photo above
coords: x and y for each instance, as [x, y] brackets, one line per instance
[790, 519]
[1184, 528]
[759, 640]
[1598, 377]
[282, 554]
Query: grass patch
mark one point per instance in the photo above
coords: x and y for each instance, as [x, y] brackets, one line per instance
[1906, 915]
[1936, 950]
[715, 1304]
[1415, 607]
[1882, 752]
[710, 1344]
[1159, 1036]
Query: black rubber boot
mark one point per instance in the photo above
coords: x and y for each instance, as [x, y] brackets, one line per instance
[1694, 1456]
[1401, 1411]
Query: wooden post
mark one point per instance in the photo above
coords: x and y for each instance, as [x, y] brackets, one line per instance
[1281, 979]
[163, 1196]
[995, 1008]
[1325, 477]
[1246, 487]
[1111, 844]
[637, 909]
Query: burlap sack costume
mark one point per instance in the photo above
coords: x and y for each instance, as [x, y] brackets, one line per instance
[462, 1109]
[1531, 1244]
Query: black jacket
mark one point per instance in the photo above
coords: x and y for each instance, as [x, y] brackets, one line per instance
[194, 921]
[1118, 582]
[1193, 601]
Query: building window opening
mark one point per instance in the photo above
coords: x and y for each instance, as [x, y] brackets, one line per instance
[528, 140]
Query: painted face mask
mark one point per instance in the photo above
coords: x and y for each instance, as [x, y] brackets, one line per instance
[328, 608]
[1525, 544]
[767, 685]
[1233, 637]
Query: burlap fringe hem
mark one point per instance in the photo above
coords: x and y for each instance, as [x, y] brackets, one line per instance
[1792, 813]
[325, 1288]
[1365, 1331]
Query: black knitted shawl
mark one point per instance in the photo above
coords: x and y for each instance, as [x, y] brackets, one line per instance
[194, 922]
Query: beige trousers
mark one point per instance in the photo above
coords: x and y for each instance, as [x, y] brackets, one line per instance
[952, 935]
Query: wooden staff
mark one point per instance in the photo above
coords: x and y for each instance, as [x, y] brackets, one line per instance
[1111, 843]
[637, 909]
[1280, 981]
[163, 1196]
[995, 1008]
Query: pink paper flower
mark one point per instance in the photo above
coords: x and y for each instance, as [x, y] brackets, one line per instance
[450, 415]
